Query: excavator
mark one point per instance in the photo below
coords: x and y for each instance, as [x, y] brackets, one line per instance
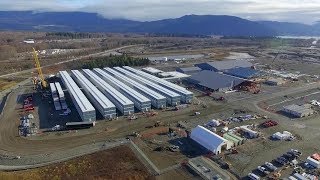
[40, 77]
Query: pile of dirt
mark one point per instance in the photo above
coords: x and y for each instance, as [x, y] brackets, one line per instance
[116, 163]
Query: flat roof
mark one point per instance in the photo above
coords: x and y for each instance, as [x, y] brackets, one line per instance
[160, 81]
[152, 70]
[78, 95]
[148, 82]
[174, 75]
[135, 84]
[107, 87]
[227, 64]
[141, 98]
[98, 96]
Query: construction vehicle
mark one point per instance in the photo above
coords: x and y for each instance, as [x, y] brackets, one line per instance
[39, 71]
[269, 123]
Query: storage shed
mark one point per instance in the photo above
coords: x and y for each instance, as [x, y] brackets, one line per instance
[209, 140]
[224, 65]
[298, 111]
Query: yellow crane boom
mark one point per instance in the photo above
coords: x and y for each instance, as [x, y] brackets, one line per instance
[38, 67]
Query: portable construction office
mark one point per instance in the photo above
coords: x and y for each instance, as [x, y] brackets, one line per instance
[98, 99]
[173, 98]
[140, 102]
[123, 104]
[80, 101]
[157, 100]
[186, 96]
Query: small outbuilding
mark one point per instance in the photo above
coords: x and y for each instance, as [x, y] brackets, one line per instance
[210, 140]
[298, 111]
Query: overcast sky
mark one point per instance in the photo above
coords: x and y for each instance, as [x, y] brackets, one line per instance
[305, 11]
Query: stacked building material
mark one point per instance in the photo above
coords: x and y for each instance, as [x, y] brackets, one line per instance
[55, 97]
[62, 98]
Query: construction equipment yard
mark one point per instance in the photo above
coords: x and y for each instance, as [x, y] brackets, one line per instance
[151, 122]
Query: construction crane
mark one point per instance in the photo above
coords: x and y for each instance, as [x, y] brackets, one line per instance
[38, 67]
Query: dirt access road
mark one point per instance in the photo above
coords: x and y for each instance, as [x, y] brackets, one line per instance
[104, 53]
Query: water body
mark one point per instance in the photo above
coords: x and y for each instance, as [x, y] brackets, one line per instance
[299, 37]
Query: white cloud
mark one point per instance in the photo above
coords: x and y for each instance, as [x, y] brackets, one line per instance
[306, 11]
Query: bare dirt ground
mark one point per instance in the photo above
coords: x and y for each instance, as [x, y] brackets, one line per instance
[116, 163]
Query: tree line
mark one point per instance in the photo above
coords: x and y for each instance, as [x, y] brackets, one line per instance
[113, 60]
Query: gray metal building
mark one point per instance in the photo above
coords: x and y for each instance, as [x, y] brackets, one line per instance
[157, 100]
[214, 81]
[99, 100]
[224, 65]
[173, 98]
[140, 102]
[123, 104]
[80, 101]
[186, 96]
[189, 70]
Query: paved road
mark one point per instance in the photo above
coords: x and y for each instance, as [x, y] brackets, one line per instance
[107, 52]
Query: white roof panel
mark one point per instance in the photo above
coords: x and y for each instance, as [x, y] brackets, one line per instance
[53, 88]
[122, 86]
[112, 91]
[135, 84]
[98, 96]
[78, 95]
[207, 138]
[148, 82]
[159, 81]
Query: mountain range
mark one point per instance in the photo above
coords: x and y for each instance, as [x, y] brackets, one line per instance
[189, 24]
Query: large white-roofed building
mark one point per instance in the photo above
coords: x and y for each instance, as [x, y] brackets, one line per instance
[210, 140]
[98, 99]
[141, 102]
[80, 101]
[186, 96]
[124, 105]
[173, 98]
[157, 100]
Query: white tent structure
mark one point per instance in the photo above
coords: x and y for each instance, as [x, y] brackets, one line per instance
[209, 140]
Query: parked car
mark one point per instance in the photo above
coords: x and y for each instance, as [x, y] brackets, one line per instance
[253, 176]
[270, 166]
[263, 170]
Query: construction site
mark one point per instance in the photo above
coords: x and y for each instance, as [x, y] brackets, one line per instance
[200, 118]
